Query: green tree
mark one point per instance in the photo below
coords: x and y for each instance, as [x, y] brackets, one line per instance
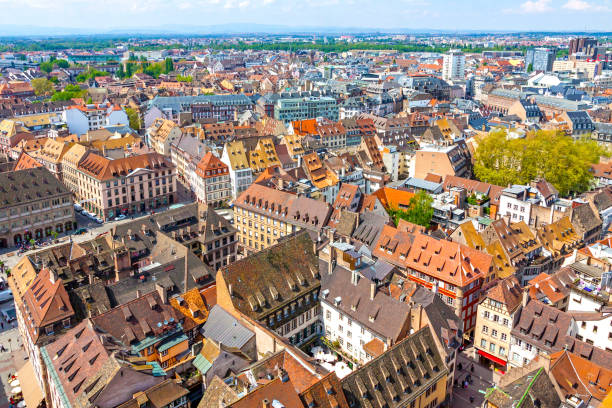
[42, 86]
[419, 210]
[530, 67]
[168, 65]
[181, 78]
[561, 160]
[46, 67]
[69, 92]
[134, 118]
[62, 63]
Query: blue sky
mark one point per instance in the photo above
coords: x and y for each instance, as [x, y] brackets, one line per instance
[591, 15]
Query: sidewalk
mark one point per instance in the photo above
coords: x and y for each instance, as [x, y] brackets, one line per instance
[10, 361]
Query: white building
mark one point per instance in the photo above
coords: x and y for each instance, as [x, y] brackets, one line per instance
[453, 66]
[595, 328]
[241, 175]
[391, 158]
[515, 204]
[356, 315]
[81, 119]
[540, 329]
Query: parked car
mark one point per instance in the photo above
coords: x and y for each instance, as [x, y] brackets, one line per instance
[6, 295]
[98, 220]
[80, 231]
[121, 217]
[78, 208]
[92, 215]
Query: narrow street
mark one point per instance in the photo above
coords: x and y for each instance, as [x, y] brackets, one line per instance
[482, 378]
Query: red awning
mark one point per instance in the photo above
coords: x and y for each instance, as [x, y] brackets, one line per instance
[492, 358]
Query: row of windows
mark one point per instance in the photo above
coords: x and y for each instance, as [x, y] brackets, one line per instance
[493, 347]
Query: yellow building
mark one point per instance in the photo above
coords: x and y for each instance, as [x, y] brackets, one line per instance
[263, 155]
[263, 215]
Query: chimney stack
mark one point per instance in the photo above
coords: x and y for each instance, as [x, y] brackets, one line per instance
[332, 260]
[266, 403]
[372, 290]
[229, 289]
[163, 294]
[525, 300]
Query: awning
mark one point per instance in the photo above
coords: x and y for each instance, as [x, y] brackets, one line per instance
[492, 358]
[32, 394]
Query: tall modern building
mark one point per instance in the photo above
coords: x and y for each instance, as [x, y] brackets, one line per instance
[453, 66]
[581, 44]
[291, 109]
[540, 59]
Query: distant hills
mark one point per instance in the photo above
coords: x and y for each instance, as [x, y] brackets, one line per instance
[7, 30]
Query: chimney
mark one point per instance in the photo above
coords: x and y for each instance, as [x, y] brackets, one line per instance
[372, 290]
[266, 403]
[229, 289]
[354, 278]
[163, 294]
[332, 260]
[525, 298]
[138, 293]
[52, 276]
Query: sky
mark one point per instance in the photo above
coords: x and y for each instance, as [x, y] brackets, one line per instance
[454, 15]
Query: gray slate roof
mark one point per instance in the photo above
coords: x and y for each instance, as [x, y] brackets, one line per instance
[224, 328]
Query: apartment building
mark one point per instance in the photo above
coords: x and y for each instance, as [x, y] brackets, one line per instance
[290, 109]
[539, 329]
[212, 184]
[453, 65]
[414, 367]
[264, 215]
[33, 205]
[43, 313]
[362, 320]
[454, 271]
[185, 151]
[81, 119]
[442, 160]
[497, 314]
[261, 153]
[162, 134]
[241, 175]
[278, 287]
[130, 185]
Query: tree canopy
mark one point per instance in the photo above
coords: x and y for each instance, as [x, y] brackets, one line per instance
[561, 160]
[90, 73]
[419, 210]
[69, 92]
[133, 118]
[42, 86]
[46, 66]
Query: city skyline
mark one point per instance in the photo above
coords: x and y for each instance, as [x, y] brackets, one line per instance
[285, 15]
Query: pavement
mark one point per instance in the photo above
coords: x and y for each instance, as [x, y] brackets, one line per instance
[482, 378]
[11, 360]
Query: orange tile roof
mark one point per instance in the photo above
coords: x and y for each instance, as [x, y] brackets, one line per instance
[448, 261]
[103, 168]
[392, 198]
[304, 127]
[191, 304]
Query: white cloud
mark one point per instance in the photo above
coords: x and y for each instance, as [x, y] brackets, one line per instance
[581, 5]
[536, 6]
